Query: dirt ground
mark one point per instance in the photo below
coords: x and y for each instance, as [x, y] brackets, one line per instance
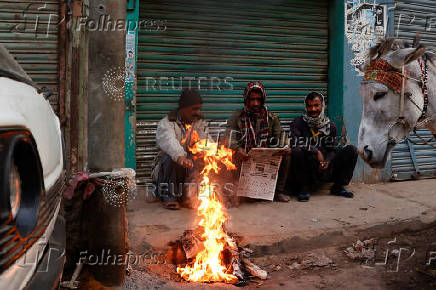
[402, 216]
[403, 268]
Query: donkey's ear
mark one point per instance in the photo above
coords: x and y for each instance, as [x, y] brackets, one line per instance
[406, 55]
[420, 50]
[417, 39]
[374, 51]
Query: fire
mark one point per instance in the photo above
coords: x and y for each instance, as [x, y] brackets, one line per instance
[208, 265]
[188, 129]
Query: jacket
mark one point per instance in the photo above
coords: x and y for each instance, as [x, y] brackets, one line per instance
[169, 134]
[301, 136]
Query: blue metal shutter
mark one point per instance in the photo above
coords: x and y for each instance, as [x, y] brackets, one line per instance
[29, 30]
[284, 44]
[410, 161]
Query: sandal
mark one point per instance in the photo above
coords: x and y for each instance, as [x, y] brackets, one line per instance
[173, 205]
[282, 197]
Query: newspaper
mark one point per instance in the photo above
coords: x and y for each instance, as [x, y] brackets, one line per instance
[258, 176]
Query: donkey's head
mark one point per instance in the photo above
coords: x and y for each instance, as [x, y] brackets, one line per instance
[381, 126]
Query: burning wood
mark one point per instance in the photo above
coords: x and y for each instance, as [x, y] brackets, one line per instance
[233, 258]
[192, 243]
[212, 254]
[255, 270]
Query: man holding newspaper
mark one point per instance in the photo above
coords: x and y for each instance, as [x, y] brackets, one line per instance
[255, 127]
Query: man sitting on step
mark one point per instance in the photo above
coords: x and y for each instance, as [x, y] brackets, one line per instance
[315, 156]
[255, 126]
[173, 166]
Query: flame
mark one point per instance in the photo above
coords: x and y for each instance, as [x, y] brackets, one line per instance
[208, 265]
[188, 129]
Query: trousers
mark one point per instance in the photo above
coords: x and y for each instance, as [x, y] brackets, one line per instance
[170, 180]
[304, 168]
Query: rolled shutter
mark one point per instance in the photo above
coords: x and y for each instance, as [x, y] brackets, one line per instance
[411, 161]
[282, 44]
[29, 30]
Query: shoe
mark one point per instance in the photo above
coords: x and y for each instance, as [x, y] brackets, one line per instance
[342, 192]
[303, 197]
[172, 205]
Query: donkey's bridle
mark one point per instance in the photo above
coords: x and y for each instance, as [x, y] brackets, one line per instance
[424, 78]
[381, 71]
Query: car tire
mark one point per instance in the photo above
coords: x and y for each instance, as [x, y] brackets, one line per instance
[18, 150]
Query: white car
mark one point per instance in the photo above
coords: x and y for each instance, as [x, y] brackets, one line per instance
[32, 175]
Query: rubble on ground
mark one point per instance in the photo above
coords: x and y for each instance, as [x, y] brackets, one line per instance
[362, 251]
[310, 261]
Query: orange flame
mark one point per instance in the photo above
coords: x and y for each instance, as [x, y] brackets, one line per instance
[208, 265]
[188, 129]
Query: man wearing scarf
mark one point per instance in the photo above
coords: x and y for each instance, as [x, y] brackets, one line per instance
[315, 156]
[255, 126]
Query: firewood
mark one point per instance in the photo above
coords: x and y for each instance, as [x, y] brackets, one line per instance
[236, 265]
[192, 243]
[254, 269]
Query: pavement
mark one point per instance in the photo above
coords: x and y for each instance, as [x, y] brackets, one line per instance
[377, 210]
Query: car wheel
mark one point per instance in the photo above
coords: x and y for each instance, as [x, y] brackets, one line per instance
[21, 181]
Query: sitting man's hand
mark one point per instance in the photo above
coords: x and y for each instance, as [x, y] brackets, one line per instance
[324, 165]
[242, 154]
[319, 156]
[185, 162]
[283, 152]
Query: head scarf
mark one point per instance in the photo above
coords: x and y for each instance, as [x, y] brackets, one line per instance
[253, 137]
[321, 122]
[254, 86]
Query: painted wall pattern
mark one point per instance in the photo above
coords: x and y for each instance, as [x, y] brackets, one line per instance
[365, 25]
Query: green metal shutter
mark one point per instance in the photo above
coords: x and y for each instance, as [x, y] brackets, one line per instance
[284, 44]
[29, 30]
[410, 161]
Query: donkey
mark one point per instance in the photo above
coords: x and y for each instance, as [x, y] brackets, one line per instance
[398, 94]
